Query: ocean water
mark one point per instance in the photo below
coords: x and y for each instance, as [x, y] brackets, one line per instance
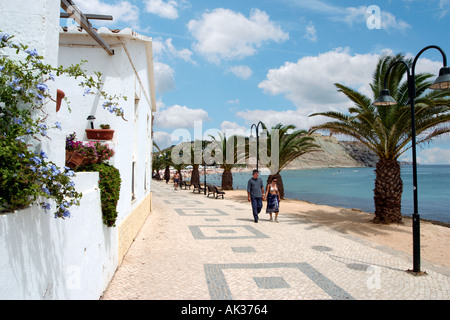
[353, 188]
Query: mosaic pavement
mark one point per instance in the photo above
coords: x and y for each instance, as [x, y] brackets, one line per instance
[197, 248]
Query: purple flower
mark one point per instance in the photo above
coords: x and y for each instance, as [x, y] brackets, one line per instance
[32, 53]
[42, 86]
[36, 160]
[46, 190]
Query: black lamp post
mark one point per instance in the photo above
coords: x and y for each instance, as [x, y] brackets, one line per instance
[204, 165]
[91, 119]
[441, 83]
[257, 141]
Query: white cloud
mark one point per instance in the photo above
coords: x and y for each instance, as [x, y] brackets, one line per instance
[164, 77]
[121, 11]
[444, 6]
[309, 83]
[235, 101]
[163, 9]
[243, 72]
[223, 34]
[179, 117]
[162, 139]
[353, 15]
[273, 117]
[162, 48]
[233, 127]
[184, 54]
[311, 33]
[434, 155]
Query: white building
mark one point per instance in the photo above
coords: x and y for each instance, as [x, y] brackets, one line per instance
[46, 258]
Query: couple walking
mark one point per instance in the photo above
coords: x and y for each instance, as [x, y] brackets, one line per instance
[256, 195]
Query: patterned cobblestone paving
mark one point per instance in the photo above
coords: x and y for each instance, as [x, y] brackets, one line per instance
[197, 248]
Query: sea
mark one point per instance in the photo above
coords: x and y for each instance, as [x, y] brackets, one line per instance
[353, 188]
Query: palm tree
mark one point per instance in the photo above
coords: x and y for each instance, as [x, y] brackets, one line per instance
[195, 175]
[157, 164]
[220, 145]
[290, 146]
[387, 129]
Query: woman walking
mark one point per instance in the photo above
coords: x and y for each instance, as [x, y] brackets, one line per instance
[273, 199]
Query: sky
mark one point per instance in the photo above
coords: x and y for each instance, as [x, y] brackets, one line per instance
[225, 65]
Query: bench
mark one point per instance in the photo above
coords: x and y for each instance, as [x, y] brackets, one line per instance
[211, 190]
[198, 187]
[185, 185]
[218, 193]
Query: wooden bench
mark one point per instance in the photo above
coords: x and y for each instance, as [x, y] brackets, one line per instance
[218, 193]
[211, 190]
[198, 187]
[185, 185]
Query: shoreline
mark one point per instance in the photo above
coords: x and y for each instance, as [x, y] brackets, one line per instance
[186, 175]
[435, 238]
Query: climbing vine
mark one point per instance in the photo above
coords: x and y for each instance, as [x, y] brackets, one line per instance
[27, 176]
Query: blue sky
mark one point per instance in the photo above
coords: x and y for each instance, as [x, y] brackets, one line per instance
[232, 63]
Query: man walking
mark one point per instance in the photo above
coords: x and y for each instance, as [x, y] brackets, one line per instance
[255, 192]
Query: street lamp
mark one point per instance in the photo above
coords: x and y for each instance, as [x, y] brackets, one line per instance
[91, 119]
[441, 83]
[257, 140]
[204, 165]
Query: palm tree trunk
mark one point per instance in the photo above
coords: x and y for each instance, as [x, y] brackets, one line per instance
[227, 180]
[388, 191]
[280, 185]
[195, 175]
[167, 174]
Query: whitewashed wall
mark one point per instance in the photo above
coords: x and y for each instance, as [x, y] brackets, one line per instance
[46, 258]
[132, 138]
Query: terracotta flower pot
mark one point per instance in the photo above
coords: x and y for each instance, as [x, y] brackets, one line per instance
[59, 96]
[69, 154]
[100, 134]
[75, 160]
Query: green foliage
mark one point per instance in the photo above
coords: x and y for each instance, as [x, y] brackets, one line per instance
[387, 129]
[26, 176]
[109, 184]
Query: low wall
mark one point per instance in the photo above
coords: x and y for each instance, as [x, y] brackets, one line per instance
[46, 258]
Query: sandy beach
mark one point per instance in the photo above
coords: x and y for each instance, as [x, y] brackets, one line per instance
[435, 239]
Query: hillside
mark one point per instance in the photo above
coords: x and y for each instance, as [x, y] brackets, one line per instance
[335, 153]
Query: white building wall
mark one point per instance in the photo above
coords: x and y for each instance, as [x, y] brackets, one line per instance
[132, 138]
[46, 258]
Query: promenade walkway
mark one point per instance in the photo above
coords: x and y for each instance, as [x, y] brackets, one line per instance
[197, 248]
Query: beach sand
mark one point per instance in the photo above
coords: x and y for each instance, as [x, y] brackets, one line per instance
[435, 239]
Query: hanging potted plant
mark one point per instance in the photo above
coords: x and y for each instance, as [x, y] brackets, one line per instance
[74, 157]
[105, 133]
[59, 96]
